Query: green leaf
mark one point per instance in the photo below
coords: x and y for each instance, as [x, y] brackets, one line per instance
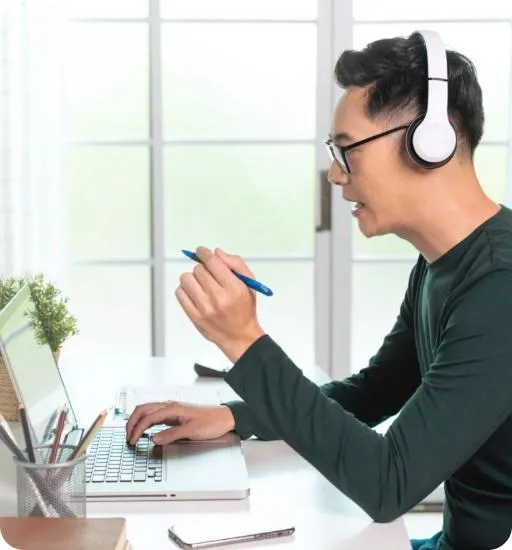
[53, 323]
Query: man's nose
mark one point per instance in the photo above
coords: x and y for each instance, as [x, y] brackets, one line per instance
[336, 175]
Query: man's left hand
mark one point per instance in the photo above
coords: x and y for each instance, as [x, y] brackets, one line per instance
[221, 307]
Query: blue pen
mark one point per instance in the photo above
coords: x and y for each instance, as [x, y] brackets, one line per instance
[251, 283]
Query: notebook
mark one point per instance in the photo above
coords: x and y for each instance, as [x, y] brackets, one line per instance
[36, 533]
[115, 471]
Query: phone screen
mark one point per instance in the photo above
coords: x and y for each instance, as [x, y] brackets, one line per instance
[216, 533]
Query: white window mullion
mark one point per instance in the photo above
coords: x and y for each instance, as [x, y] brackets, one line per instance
[158, 316]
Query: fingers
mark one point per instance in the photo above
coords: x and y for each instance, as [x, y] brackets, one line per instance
[234, 262]
[138, 412]
[173, 434]
[208, 282]
[186, 303]
[220, 266]
[218, 269]
[165, 414]
[193, 289]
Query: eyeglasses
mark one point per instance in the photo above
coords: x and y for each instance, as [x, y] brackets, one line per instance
[339, 153]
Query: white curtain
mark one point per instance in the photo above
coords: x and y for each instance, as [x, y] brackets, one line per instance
[32, 192]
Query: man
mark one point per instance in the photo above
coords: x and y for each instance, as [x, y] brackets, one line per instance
[446, 366]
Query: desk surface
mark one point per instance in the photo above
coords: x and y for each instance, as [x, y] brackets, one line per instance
[281, 480]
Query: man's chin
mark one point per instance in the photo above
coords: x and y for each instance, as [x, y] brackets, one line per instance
[366, 229]
[371, 229]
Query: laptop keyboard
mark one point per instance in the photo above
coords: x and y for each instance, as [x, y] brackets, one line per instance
[112, 460]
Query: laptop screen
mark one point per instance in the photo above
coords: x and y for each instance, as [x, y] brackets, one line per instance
[32, 367]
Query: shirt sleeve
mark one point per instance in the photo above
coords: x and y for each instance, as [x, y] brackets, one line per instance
[461, 401]
[395, 366]
[248, 424]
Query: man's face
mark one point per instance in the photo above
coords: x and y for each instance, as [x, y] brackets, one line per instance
[378, 179]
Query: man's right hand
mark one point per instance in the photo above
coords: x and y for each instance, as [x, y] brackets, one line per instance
[187, 421]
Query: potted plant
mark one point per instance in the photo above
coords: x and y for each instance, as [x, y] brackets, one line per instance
[53, 325]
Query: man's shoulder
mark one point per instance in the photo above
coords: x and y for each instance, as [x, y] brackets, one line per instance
[488, 259]
[497, 238]
[484, 284]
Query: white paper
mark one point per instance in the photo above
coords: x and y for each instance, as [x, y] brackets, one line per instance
[197, 394]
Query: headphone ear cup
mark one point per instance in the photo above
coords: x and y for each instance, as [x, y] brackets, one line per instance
[413, 154]
[409, 143]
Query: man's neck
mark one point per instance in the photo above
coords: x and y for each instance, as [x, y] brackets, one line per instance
[444, 219]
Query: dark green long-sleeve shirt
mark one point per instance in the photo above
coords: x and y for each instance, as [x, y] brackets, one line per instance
[446, 368]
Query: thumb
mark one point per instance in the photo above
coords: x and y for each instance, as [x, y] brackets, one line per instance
[171, 435]
[234, 262]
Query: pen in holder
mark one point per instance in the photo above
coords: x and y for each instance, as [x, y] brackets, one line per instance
[51, 489]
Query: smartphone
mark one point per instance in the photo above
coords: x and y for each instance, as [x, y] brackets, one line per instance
[210, 534]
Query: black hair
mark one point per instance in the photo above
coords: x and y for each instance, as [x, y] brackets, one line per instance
[394, 70]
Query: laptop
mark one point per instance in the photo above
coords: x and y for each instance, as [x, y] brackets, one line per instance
[187, 470]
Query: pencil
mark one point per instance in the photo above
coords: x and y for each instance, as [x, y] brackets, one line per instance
[26, 434]
[89, 435]
[6, 427]
[42, 488]
[84, 442]
[42, 505]
[58, 434]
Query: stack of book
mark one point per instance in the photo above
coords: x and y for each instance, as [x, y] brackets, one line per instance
[37, 533]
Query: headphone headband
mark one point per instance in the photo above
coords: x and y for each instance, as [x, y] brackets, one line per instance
[437, 74]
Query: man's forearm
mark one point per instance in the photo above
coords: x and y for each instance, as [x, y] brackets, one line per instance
[356, 459]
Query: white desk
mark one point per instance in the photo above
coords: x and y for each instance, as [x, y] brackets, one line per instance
[281, 480]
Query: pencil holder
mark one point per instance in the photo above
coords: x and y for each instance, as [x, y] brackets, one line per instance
[52, 490]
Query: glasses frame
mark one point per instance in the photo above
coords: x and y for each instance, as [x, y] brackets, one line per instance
[339, 152]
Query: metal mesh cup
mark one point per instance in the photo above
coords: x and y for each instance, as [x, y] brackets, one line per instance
[51, 490]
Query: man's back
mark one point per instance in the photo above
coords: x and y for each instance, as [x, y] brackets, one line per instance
[479, 494]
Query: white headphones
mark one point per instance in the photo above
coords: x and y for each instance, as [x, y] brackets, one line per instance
[430, 140]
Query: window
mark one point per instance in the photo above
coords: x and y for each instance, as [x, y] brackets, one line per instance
[188, 123]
